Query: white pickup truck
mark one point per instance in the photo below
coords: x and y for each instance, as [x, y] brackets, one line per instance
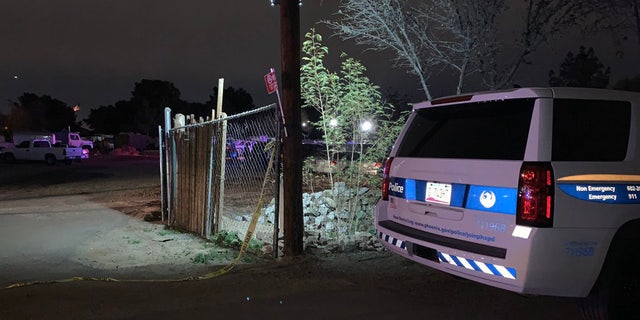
[39, 150]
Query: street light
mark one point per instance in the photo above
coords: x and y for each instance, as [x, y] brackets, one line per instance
[366, 126]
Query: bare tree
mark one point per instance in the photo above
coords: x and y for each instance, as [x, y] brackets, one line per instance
[615, 15]
[543, 19]
[459, 36]
[458, 33]
[387, 25]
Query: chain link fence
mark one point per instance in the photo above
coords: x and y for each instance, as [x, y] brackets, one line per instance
[217, 174]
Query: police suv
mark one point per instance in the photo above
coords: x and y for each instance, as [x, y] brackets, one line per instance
[532, 190]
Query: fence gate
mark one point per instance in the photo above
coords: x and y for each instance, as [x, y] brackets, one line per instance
[213, 174]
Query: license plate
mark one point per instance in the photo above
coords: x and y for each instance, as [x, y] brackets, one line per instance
[438, 193]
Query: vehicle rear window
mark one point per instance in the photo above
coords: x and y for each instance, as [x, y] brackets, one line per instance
[480, 130]
[590, 130]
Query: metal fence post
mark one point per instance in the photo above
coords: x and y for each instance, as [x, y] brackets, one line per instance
[222, 164]
[173, 160]
[163, 170]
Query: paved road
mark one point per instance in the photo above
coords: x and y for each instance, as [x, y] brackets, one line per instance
[98, 174]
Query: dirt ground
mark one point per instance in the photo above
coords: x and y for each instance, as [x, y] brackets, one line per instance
[149, 242]
[152, 265]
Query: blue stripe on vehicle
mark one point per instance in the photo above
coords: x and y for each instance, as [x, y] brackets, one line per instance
[456, 261]
[410, 189]
[493, 269]
[391, 240]
[484, 198]
[474, 265]
[458, 192]
[493, 199]
[610, 193]
[484, 267]
[469, 264]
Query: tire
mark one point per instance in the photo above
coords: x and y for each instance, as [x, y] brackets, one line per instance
[51, 159]
[9, 157]
[616, 294]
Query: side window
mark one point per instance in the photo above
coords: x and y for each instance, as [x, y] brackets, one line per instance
[23, 144]
[590, 130]
[40, 144]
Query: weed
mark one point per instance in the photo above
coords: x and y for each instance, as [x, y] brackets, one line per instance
[227, 239]
[230, 239]
[168, 232]
[207, 245]
[211, 255]
[132, 241]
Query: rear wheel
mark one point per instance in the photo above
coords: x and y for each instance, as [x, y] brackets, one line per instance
[8, 157]
[617, 292]
[51, 159]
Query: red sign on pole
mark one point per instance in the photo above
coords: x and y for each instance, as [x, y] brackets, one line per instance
[271, 81]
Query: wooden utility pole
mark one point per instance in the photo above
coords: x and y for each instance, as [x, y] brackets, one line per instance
[292, 145]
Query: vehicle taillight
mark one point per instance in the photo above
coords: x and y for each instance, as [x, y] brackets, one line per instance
[385, 178]
[535, 195]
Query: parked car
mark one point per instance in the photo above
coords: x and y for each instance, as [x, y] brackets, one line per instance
[342, 160]
[72, 139]
[320, 164]
[240, 149]
[370, 167]
[42, 150]
[532, 190]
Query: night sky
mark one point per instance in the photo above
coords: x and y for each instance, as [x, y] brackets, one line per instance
[91, 53]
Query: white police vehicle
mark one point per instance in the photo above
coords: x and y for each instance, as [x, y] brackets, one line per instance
[532, 190]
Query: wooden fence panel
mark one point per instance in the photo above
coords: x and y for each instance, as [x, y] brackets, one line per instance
[196, 160]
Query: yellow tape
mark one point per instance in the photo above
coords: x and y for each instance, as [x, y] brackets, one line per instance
[217, 273]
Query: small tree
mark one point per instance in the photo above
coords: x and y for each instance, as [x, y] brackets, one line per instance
[319, 90]
[614, 16]
[581, 70]
[345, 102]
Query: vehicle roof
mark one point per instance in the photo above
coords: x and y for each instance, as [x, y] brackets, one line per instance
[532, 92]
